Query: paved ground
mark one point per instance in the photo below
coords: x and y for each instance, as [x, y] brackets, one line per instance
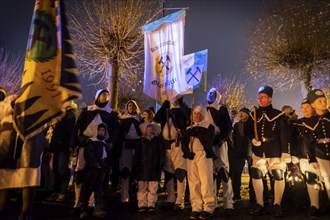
[44, 210]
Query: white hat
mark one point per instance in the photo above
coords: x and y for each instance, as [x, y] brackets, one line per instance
[201, 110]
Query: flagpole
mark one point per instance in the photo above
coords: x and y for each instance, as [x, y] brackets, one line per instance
[191, 119]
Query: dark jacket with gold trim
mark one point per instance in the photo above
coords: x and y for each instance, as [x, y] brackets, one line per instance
[272, 132]
[304, 148]
[319, 135]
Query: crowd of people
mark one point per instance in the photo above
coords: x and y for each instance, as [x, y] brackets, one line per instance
[197, 149]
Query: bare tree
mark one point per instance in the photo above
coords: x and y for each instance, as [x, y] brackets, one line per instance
[11, 67]
[109, 41]
[290, 44]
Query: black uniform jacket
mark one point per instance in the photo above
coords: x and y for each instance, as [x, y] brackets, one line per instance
[319, 135]
[304, 148]
[272, 132]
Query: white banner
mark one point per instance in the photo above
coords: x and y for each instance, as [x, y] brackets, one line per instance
[164, 77]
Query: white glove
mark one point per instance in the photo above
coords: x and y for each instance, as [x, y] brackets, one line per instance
[294, 159]
[286, 157]
[256, 143]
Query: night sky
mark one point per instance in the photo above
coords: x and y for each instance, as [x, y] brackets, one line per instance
[220, 26]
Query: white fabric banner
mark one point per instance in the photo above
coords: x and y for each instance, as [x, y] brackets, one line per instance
[164, 77]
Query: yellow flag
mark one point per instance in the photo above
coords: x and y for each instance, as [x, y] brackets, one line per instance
[49, 80]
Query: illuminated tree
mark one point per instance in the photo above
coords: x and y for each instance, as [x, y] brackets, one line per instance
[109, 41]
[11, 68]
[290, 45]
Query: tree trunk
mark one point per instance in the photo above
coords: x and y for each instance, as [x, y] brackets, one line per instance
[114, 85]
[307, 80]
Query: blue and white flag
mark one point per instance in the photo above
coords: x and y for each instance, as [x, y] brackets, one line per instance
[195, 69]
[163, 49]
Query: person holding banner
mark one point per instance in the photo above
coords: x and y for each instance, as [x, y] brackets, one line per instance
[19, 161]
[269, 134]
[218, 116]
[174, 121]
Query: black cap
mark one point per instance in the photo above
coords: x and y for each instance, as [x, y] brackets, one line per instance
[266, 90]
[305, 101]
[315, 94]
[246, 110]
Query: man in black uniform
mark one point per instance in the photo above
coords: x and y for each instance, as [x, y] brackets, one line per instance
[307, 161]
[268, 132]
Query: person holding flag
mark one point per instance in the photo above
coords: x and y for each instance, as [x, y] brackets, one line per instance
[49, 83]
[218, 116]
[174, 119]
[19, 161]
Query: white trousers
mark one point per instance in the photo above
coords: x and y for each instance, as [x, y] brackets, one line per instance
[313, 193]
[147, 193]
[173, 161]
[268, 164]
[200, 179]
[325, 173]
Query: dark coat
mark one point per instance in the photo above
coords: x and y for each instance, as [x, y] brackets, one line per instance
[240, 141]
[272, 126]
[205, 136]
[63, 132]
[125, 124]
[148, 159]
[93, 154]
[180, 118]
[222, 119]
[303, 146]
[320, 131]
[86, 117]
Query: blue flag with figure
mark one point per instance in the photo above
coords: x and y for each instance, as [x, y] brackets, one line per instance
[195, 70]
